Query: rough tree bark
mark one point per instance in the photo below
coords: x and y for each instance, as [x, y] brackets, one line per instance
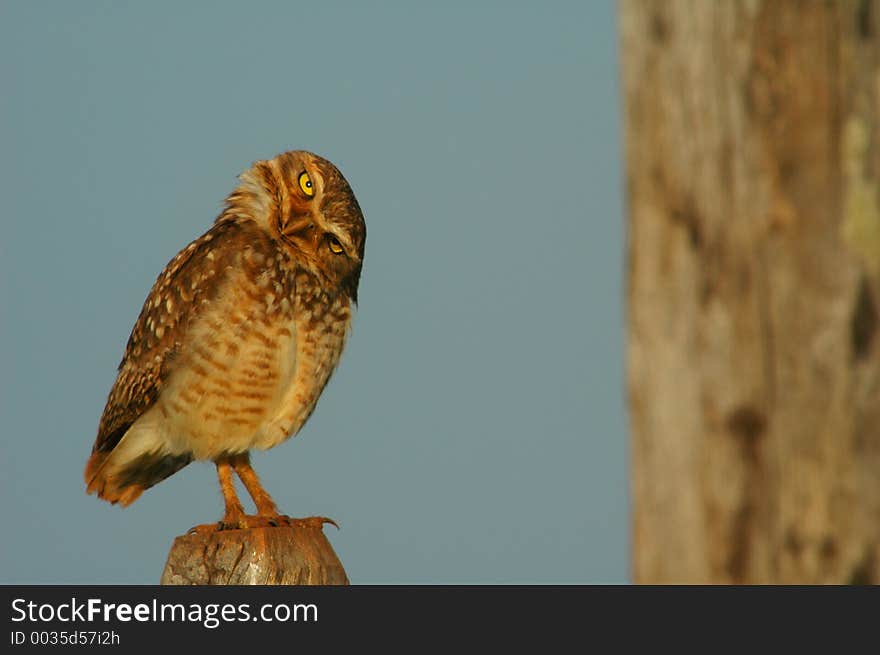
[752, 162]
[299, 554]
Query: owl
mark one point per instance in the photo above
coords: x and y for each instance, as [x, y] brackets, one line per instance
[237, 338]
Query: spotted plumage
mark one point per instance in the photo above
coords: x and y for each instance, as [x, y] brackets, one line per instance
[238, 336]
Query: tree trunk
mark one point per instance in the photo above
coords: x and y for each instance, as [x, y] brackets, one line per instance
[296, 555]
[752, 162]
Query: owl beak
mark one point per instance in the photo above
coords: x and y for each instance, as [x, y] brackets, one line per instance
[299, 227]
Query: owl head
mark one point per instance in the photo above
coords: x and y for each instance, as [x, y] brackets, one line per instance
[306, 205]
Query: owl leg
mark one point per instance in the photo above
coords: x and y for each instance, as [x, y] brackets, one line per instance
[265, 505]
[233, 517]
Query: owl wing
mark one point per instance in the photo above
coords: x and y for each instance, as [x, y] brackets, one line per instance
[188, 284]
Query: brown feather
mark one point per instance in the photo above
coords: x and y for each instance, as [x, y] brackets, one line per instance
[188, 281]
[186, 286]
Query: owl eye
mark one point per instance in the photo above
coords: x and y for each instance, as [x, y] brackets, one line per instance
[305, 183]
[335, 246]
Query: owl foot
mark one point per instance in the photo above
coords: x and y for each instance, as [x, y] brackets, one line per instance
[242, 522]
[206, 528]
[247, 521]
[318, 522]
[226, 523]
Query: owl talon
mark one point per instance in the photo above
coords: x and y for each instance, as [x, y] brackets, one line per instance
[324, 520]
[308, 522]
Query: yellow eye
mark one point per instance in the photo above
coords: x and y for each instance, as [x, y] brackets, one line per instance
[335, 246]
[305, 183]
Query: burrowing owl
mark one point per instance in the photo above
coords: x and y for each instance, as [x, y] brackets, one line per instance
[237, 338]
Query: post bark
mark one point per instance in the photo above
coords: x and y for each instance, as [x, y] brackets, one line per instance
[299, 554]
[752, 164]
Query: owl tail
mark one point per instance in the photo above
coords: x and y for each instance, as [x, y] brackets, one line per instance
[108, 487]
[121, 475]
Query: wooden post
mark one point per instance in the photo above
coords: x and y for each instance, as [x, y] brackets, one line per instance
[299, 554]
[752, 132]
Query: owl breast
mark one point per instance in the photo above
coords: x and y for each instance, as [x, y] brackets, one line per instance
[321, 322]
[256, 363]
